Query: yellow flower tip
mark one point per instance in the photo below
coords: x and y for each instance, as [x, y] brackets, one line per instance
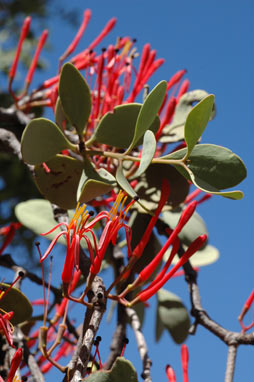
[114, 209]
[79, 212]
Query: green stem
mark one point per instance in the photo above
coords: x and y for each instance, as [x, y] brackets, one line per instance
[179, 162]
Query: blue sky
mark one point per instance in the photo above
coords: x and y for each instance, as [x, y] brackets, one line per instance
[214, 42]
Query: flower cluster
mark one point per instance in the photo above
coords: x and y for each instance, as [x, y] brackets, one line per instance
[111, 74]
[80, 225]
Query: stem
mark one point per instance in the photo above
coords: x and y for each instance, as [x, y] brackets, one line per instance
[78, 364]
[141, 342]
[179, 162]
[230, 369]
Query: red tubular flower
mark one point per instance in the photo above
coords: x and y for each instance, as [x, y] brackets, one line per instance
[78, 229]
[168, 116]
[185, 360]
[9, 232]
[40, 45]
[15, 362]
[165, 190]
[193, 248]
[184, 218]
[176, 78]
[24, 31]
[148, 270]
[170, 374]
[110, 25]
[245, 309]
[73, 45]
[112, 227]
[6, 327]
[183, 89]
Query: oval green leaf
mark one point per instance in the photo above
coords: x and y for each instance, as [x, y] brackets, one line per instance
[212, 168]
[60, 185]
[148, 151]
[149, 188]
[123, 182]
[75, 97]
[172, 314]
[37, 215]
[94, 183]
[197, 121]
[17, 302]
[117, 128]
[42, 140]
[148, 111]
[175, 131]
[60, 117]
[122, 370]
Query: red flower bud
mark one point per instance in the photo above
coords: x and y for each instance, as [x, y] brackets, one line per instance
[170, 374]
[24, 31]
[15, 362]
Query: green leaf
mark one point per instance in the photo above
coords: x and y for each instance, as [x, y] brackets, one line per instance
[175, 131]
[149, 188]
[94, 183]
[59, 114]
[75, 97]
[197, 121]
[117, 128]
[122, 370]
[212, 168]
[37, 215]
[148, 111]
[194, 227]
[148, 151]
[60, 185]
[205, 256]
[173, 315]
[42, 140]
[123, 182]
[17, 302]
[159, 327]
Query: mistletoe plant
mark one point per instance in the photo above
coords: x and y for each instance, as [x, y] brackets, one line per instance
[127, 169]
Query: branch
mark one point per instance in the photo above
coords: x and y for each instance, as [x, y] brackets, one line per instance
[9, 143]
[232, 349]
[117, 259]
[118, 336]
[142, 346]
[231, 339]
[78, 364]
[7, 262]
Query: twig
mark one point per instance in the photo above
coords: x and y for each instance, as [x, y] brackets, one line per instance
[78, 364]
[232, 349]
[117, 260]
[7, 262]
[9, 143]
[141, 342]
[117, 339]
[231, 339]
